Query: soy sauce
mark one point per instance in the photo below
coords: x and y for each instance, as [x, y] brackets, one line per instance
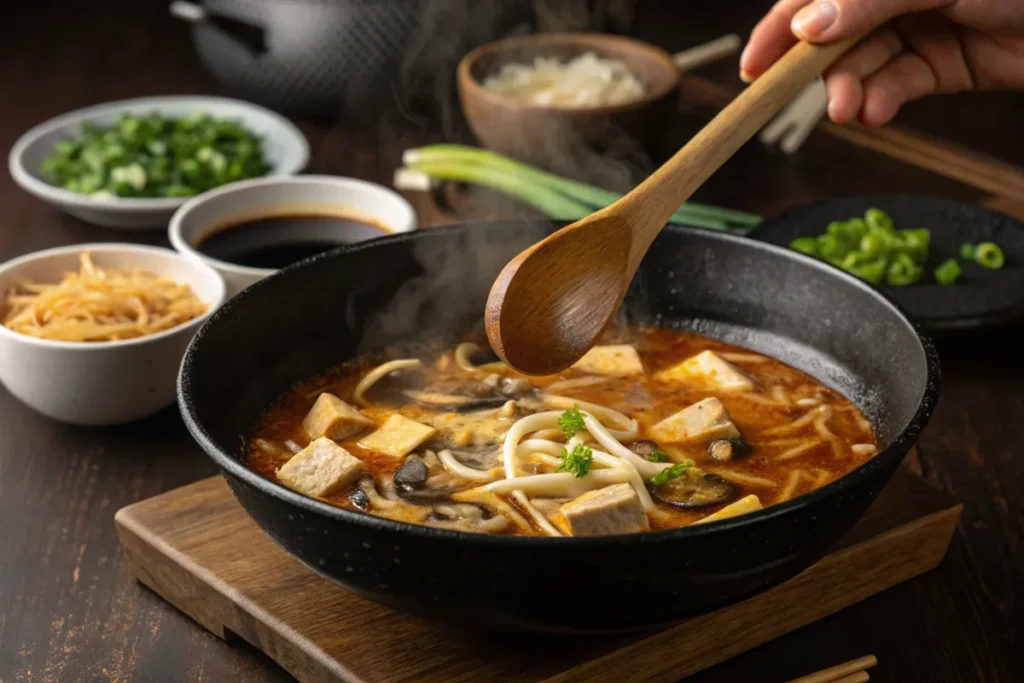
[279, 241]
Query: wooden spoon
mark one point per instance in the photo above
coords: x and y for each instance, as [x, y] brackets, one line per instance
[551, 302]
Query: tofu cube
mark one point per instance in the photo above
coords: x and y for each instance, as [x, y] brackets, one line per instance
[614, 361]
[611, 510]
[705, 420]
[333, 418]
[709, 369]
[397, 437]
[321, 468]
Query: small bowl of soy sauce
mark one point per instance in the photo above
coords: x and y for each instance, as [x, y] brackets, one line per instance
[249, 229]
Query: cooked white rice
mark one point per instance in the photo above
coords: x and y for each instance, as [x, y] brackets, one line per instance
[586, 81]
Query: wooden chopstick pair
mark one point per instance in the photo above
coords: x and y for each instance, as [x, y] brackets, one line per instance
[794, 123]
[854, 671]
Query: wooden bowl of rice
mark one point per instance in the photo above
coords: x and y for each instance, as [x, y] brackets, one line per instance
[560, 119]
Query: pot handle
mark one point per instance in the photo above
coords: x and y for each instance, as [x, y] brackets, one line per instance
[251, 36]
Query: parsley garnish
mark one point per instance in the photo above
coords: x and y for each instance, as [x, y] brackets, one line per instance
[669, 473]
[657, 456]
[571, 422]
[578, 462]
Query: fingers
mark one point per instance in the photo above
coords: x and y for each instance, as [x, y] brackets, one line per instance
[770, 39]
[818, 21]
[905, 78]
[844, 79]
[829, 20]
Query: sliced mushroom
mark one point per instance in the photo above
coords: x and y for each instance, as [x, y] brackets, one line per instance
[411, 475]
[359, 500]
[514, 386]
[695, 488]
[727, 449]
[482, 457]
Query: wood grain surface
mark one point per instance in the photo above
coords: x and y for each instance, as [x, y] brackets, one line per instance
[197, 548]
[69, 608]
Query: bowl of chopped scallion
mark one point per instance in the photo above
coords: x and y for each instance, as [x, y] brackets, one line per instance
[949, 264]
[132, 163]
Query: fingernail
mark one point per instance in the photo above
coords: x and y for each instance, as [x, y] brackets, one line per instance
[743, 56]
[745, 77]
[813, 20]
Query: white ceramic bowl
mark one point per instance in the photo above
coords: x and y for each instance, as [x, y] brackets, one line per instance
[101, 383]
[284, 147]
[267, 197]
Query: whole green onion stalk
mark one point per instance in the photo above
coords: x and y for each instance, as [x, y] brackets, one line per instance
[535, 186]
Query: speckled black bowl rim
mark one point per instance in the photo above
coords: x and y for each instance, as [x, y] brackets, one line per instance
[230, 465]
[992, 318]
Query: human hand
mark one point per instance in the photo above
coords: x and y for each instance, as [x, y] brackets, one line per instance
[913, 48]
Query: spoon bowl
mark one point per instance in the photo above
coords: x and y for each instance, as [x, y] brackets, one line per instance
[532, 300]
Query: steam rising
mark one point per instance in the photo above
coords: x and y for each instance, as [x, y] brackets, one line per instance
[450, 293]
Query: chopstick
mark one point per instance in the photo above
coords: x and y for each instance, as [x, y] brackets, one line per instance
[708, 52]
[798, 119]
[849, 672]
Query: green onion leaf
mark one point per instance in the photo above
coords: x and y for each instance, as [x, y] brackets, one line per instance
[669, 473]
[571, 422]
[577, 462]
[947, 272]
[989, 255]
[967, 251]
[805, 245]
[657, 456]
[877, 219]
[902, 271]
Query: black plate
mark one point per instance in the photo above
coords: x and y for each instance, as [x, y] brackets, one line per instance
[322, 311]
[980, 297]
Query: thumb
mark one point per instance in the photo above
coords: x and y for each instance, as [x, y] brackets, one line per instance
[829, 20]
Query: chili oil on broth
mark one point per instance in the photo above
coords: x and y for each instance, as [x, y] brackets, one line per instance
[800, 434]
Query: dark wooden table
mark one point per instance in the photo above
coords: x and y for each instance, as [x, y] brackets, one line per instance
[69, 611]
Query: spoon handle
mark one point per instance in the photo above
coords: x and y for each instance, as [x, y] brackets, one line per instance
[652, 202]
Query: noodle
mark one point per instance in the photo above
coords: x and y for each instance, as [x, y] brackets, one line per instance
[379, 373]
[100, 305]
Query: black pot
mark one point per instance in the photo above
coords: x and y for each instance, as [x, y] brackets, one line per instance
[306, 318]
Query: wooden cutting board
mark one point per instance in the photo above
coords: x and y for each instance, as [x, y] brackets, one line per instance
[197, 548]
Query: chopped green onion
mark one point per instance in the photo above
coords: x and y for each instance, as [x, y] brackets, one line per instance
[989, 255]
[878, 220]
[875, 244]
[152, 156]
[805, 245]
[915, 243]
[947, 272]
[657, 456]
[902, 271]
[857, 227]
[871, 272]
[967, 251]
[832, 248]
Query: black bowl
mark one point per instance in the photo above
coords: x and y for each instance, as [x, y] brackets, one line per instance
[311, 316]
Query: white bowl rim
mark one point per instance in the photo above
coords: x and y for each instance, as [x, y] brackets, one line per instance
[184, 248]
[53, 193]
[215, 302]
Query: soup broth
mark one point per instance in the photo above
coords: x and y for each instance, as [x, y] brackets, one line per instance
[653, 429]
[278, 241]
